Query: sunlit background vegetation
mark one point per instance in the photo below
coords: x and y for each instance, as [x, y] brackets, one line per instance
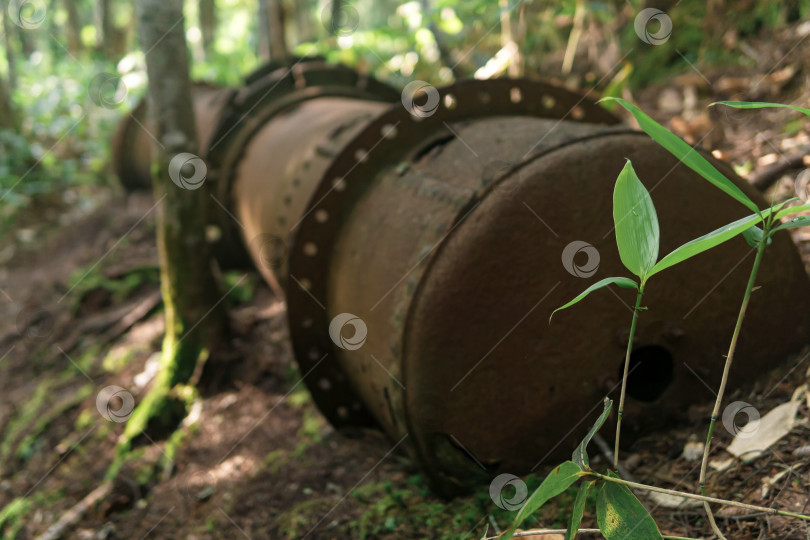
[55, 148]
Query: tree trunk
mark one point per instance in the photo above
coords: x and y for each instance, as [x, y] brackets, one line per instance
[11, 59]
[272, 40]
[515, 67]
[208, 24]
[303, 24]
[8, 115]
[104, 27]
[27, 40]
[73, 28]
[194, 319]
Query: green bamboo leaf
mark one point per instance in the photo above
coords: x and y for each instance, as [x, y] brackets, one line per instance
[753, 235]
[623, 282]
[708, 241]
[791, 210]
[579, 507]
[621, 516]
[759, 105]
[685, 153]
[580, 456]
[560, 479]
[636, 223]
[801, 221]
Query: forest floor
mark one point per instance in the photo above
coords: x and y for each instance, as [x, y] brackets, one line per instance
[255, 458]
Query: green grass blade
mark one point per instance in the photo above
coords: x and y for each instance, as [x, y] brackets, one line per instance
[621, 516]
[791, 210]
[580, 456]
[486, 530]
[636, 223]
[560, 479]
[759, 105]
[801, 221]
[708, 241]
[579, 507]
[685, 153]
[623, 282]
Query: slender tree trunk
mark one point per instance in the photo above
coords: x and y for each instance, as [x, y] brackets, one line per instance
[27, 40]
[11, 59]
[8, 114]
[334, 16]
[303, 27]
[278, 37]
[208, 24]
[272, 40]
[445, 53]
[104, 27]
[194, 319]
[515, 67]
[263, 32]
[73, 28]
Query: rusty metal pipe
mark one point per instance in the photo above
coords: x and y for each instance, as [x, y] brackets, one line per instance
[421, 258]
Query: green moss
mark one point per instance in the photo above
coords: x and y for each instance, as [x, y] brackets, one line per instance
[393, 511]
[118, 357]
[82, 281]
[28, 413]
[299, 398]
[241, 287]
[276, 459]
[28, 446]
[12, 517]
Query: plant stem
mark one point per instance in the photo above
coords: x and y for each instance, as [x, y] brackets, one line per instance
[729, 359]
[685, 495]
[624, 375]
[536, 532]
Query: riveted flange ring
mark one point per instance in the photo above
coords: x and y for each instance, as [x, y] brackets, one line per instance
[393, 137]
[271, 90]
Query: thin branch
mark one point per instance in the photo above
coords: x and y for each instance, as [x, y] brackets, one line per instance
[729, 359]
[537, 532]
[639, 294]
[724, 502]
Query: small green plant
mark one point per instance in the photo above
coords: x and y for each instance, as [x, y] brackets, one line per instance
[619, 513]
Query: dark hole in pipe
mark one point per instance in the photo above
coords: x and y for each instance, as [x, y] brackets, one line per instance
[652, 370]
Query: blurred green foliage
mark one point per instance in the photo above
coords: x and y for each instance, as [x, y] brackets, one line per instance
[60, 151]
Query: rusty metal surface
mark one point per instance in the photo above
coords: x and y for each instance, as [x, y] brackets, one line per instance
[490, 381]
[133, 139]
[455, 275]
[390, 142]
[288, 157]
[272, 92]
[444, 237]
